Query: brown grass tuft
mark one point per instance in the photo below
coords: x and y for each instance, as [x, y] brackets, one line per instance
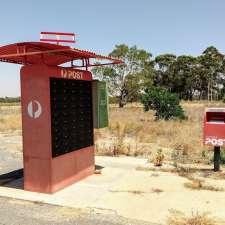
[135, 192]
[10, 117]
[197, 184]
[10, 122]
[157, 190]
[179, 218]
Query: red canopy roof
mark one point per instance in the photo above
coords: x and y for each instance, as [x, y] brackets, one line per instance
[51, 54]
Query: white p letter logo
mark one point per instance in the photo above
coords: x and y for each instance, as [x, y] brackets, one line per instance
[34, 109]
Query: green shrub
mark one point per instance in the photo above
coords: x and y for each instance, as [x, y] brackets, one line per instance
[166, 104]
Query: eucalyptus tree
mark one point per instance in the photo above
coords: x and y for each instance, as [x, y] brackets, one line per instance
[127, 80]
[212, 66]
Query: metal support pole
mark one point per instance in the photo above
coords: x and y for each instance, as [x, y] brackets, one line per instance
[216, 158]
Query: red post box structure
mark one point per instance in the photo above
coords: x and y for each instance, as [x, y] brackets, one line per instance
[214, 132]
[57, 119]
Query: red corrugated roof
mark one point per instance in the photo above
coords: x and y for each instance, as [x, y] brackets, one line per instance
[50, 54]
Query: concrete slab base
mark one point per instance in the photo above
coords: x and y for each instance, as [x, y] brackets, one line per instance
[121, 189]
[83, 193]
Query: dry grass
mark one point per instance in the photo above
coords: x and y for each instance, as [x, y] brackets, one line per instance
[215, 175]
[10, 118]
[196, 184]
[157, 190]
[135, 132]
[10, 104]
[194, 176]
[138, 192]
[178, 218]
[157, 169]
[183, 136]
[134, 192]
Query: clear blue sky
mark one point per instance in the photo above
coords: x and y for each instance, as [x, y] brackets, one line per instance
[158, 26]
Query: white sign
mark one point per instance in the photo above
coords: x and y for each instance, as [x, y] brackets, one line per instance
[214, 141]
[72, 74]
[34, 109]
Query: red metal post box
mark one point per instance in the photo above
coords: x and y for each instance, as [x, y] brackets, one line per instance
[57, 113]
[57, 126]
[214, 127]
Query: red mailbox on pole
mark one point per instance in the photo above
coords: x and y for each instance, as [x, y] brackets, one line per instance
[57, 116]
[214, 132]
[214, 127]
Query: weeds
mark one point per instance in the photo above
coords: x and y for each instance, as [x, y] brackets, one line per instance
[120, 131]
[11, 122]
[155, 169]
[197, 184]
[135, 192]
[188, 173]
[157, 190]
[131, 127]
[158, 160]
[10, 118]
[179, 218]
[134, 132]
[155, 175]
[138, 192]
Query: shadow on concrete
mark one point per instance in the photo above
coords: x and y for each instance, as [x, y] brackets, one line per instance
[98, 167]
[13, 179]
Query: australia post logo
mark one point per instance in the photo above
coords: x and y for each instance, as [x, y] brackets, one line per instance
[214, 141]
[34, 109]
[72, 74]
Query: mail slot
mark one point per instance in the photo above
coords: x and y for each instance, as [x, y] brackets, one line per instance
[214, 127]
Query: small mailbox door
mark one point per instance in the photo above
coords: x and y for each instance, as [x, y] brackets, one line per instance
[100, 104]
[215, 117]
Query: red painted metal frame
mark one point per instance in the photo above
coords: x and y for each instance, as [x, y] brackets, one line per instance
[29, 53]
[57, 34]
[42, 173]
[58, 41]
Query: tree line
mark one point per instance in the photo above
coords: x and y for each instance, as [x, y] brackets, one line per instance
[200, 78]
[10, 99]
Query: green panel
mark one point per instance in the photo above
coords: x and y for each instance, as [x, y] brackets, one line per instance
[100, 104]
